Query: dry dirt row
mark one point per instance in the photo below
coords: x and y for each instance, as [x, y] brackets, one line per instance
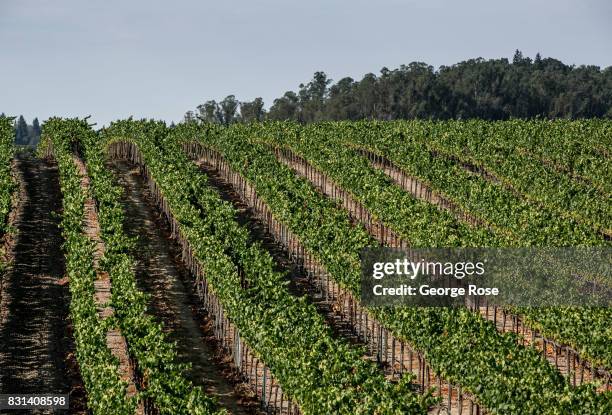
[161, 274]
[570, 365]
[36, 345]
[340, 323]
[299, 283]
[115, 341]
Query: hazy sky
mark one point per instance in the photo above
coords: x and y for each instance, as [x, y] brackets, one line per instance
[148, 58]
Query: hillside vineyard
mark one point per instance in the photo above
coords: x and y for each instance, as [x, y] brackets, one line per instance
[210, 269]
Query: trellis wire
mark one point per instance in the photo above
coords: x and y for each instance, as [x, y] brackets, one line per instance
[146, 405]
[251, 369]
[398, 356]
[587, 372]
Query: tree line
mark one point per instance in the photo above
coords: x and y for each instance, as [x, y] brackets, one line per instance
[494, 89]
[26, 134]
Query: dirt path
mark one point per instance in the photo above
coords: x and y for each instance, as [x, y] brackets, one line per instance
[162, 276]
[560, 358]
[299, 284]
[392, 355]
[103, 287]
[36, 347]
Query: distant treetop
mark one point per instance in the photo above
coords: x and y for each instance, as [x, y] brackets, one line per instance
[494, 89]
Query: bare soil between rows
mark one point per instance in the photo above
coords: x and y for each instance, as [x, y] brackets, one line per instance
[329, 189]
[161, 274]
[299, 284]
[37, 351]
[339, 322]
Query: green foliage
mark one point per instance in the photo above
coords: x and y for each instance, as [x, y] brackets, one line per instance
[106, 392]
[532, 206]
[433, 151]
[7, 184]
[461, 346]
[324, 375]
[494, 89]
[156, 357]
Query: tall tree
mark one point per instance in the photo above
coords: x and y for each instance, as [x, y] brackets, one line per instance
[228, 107]
[493, 89]
[210, 112]
[312, 97]
[36, 131]
[36, 127]
[22, 136]
[285, 108]
[342, 102]
[189, 117]
[252, 111]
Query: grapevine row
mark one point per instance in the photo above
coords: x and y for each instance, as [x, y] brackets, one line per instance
[285, 332]
[162, 379]
[459, 344]
[524, 223]
[106, 392]
[7, 184]
[578, 149]
[575, 364]
[156, 357]
[397, 357]
[8, 188]
[585, 329]
[493, 148]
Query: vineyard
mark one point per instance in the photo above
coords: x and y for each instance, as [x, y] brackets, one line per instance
[201, 269]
